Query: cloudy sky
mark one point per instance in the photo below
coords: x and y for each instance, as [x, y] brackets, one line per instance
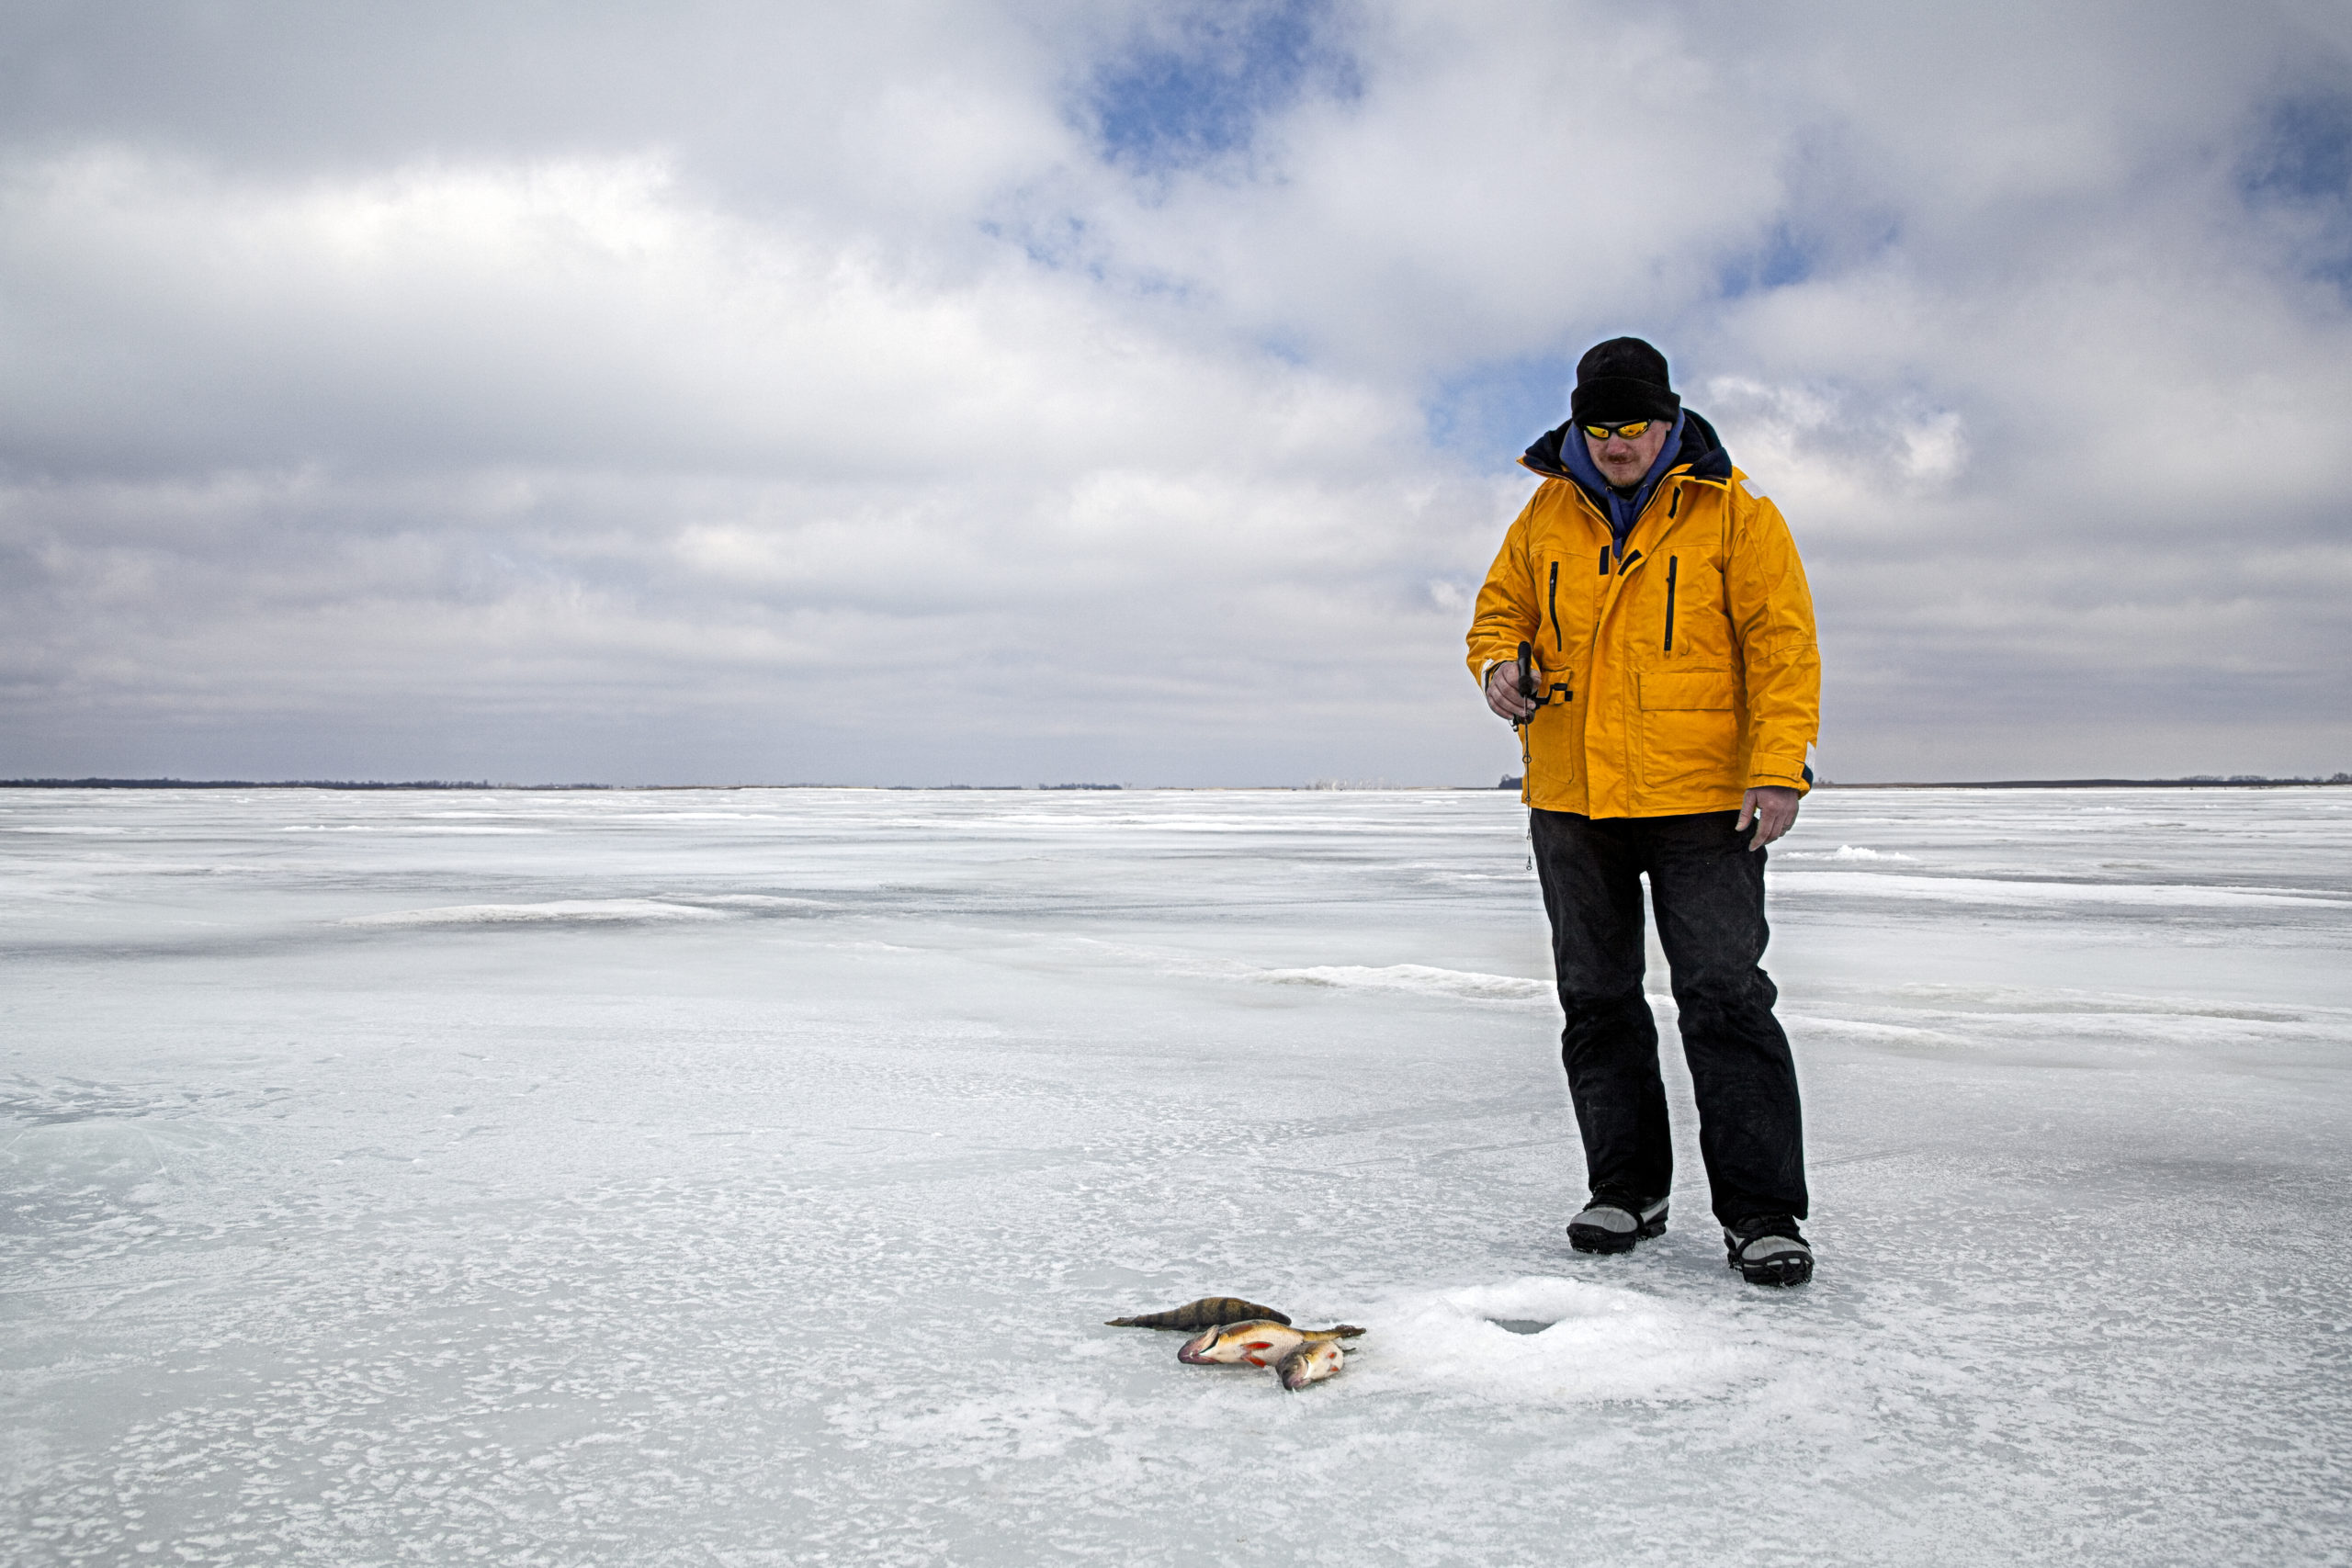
[1046, 390]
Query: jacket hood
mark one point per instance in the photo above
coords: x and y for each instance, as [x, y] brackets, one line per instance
[1701, 448]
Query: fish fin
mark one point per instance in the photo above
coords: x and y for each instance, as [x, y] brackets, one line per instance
[1233, 1309]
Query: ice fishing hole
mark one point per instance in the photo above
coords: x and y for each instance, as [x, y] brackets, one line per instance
[1520, 1324]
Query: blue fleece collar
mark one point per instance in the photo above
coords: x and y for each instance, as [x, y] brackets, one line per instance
[1624, 510]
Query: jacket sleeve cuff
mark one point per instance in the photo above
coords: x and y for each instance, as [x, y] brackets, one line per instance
[1779, 773]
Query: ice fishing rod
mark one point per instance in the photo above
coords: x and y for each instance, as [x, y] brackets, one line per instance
[1527, 681]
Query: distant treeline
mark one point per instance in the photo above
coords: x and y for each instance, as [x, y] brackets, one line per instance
[996, 786]
[275, 783]
[451, 784]
[2201, 781]
[1510, 781]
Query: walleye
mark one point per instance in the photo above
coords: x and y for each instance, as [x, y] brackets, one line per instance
[1260, 1343]
[1206, 1313]
[1311, 1362]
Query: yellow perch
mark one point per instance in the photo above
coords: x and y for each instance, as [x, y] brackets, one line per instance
[1258, 1343]
[1311, 1362]
[1206, 1313]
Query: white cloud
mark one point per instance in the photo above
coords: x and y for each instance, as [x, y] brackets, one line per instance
[813, 398]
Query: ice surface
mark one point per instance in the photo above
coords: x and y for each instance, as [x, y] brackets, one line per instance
[1417, 978]
[572, 912]
[743, 1176]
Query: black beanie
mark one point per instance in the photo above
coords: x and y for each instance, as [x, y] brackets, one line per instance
[1622, 380]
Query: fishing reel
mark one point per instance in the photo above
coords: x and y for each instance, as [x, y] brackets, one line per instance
[1532, 688]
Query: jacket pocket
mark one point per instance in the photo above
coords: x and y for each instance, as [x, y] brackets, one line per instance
[1552, 603]
[1673, 564]
[1690, 727]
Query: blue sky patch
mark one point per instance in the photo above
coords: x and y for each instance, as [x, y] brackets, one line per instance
[1778, 261]
[2305, 153]
[1491, 413]
[2302, 160]
[1197, 90]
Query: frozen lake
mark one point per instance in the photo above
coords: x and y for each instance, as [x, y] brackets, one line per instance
[741, 1178]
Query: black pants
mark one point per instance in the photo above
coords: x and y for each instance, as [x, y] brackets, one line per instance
[1708, 887]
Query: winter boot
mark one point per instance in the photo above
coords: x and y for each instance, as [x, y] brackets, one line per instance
[1614, 1223]
[1767, 1250]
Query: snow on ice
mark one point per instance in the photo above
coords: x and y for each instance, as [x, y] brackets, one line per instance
[742, 1178]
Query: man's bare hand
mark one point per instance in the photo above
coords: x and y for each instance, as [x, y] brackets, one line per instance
[1773, 807]
[1503, 694]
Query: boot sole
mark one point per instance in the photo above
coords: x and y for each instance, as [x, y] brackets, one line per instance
[1776, 1271]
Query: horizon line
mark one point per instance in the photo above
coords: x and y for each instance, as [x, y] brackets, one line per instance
[2200, 780]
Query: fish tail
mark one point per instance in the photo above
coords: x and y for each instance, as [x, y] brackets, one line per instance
[1178, 1318]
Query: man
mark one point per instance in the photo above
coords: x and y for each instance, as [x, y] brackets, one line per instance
[1669, 696]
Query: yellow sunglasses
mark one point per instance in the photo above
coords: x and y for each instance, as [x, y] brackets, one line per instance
[1632, 430]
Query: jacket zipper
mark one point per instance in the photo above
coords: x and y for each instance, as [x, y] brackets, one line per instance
[1552, 600]
[1629, 560]
[1672, 562]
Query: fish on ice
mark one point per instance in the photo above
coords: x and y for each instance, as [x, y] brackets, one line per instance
[1260, 1343]
[1207, 1313]
[1310, 1361]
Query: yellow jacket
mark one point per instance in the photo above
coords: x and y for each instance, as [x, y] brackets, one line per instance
[1676, 678]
